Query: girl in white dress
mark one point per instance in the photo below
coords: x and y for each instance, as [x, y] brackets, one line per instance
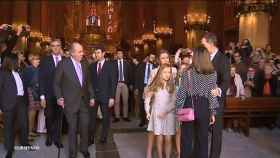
[160, 106]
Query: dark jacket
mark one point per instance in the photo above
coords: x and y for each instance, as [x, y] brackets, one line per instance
[67, 85]
[105, 83]
[8, 91]
[221, 65]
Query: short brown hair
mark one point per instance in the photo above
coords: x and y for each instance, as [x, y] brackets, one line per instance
[10, 63]
[201, 61]
[211, 38]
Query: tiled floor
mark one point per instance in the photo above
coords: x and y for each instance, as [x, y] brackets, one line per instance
[262, 143]
[129, 141]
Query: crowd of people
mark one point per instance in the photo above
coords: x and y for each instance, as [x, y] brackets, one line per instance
[254, 72]
[178, 97]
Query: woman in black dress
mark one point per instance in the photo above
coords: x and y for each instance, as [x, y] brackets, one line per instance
[195, 91]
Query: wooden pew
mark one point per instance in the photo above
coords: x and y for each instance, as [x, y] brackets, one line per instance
[245, 110]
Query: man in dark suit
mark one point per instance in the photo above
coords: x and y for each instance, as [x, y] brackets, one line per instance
[104, 82]
[74, 94]
[13, 104]
[123, 85]
[221, 65]
[48, 99]
[142, 76]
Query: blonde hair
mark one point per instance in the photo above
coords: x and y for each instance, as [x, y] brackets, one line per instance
[157, 81]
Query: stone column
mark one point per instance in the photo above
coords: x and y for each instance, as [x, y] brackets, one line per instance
[255, 27]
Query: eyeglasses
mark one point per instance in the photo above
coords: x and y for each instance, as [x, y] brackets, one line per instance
[236, 56]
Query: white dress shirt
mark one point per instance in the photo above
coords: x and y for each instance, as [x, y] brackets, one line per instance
[102, 63]
[20, 91]
[55, 60]
[213, 54]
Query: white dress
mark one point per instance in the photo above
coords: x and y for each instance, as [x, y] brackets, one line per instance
[163, 101]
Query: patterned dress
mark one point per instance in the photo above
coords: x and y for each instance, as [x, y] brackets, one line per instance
[163, 101]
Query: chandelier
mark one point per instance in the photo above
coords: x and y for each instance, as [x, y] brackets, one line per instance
[163, 30]
[194, 21]
[245, 7]
[147, 37]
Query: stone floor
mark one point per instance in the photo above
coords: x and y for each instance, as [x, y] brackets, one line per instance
[127, 140]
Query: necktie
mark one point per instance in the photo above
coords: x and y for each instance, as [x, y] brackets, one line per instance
[99, 68]
[121, 71]
[80, 73]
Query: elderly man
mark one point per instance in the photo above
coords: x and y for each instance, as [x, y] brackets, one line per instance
[74, 94]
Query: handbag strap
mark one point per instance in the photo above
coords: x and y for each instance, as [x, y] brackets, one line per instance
[190, 86]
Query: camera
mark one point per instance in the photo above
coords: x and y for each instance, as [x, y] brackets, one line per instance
[25, 30]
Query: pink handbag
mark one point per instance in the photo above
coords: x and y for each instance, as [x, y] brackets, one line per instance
[186, 114]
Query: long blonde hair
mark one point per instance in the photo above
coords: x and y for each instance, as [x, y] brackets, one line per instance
[157, 83]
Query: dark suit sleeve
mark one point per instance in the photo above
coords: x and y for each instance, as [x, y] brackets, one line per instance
[89, 81]
[137, 76]
[1, 86]
[58, 79]
[129, 73]
[225, 76]
[42, 77]
[114, 79]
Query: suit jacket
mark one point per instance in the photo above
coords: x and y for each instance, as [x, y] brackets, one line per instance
[221, 65]
[46, 76]
[126, 72]
[67, 85]
[105, 83]
[140, 75]
[8, 89]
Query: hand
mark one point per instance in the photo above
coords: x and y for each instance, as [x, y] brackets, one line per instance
[148, 116]
[162, 115]
[212, 119]
[130, 87]
[91, 103]
[215, 92]
[136, 92]
[3, 26]
[111, 102]
[60, 102]
[43, 103]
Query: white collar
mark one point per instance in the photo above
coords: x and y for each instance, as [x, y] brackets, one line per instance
[214, 53]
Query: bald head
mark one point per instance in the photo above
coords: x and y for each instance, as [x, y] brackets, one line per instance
[76, 51]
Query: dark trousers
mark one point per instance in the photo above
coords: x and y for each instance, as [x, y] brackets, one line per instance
[196, 131]
[78, 120]
[217, 133]
[52, 113]
[19, 113]
[142, 107]
[106, 119]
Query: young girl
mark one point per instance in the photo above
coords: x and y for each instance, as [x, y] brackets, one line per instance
[159, 106]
